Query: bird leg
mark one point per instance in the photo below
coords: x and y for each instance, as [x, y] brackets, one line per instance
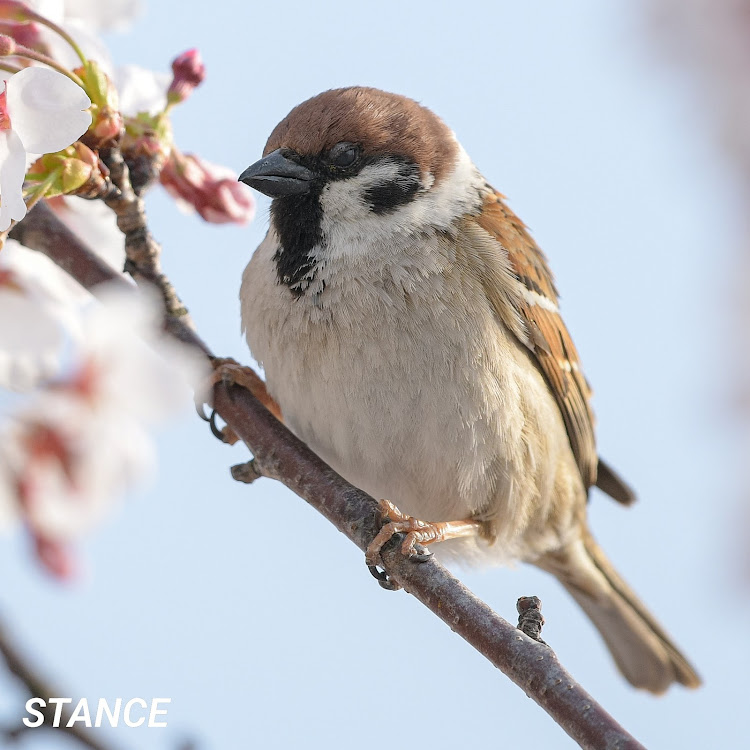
[230, 372]
[416, 532]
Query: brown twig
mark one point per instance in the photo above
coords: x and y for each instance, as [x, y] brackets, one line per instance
[280, 455]
[142, 251]
[38, 687]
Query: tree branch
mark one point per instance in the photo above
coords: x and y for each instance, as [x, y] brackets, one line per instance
[38, 687]
[280, 455]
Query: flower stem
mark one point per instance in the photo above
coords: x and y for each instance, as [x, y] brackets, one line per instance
[31, 54]
[59, 31]
[10, 68]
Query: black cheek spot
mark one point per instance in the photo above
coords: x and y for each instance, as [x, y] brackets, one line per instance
[387, 196]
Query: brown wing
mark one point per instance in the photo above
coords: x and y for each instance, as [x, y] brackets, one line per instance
[549, 338]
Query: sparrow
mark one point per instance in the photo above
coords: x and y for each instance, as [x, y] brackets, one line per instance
[409, 330]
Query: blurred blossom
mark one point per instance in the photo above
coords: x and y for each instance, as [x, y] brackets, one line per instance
[74, 447]
[211, 190]
[41, 111]
[95, 225]
[68, 463]
[112, 15]
[41, 301]
[83, 32]
[139, 368]
[712, 38]
[141, 90]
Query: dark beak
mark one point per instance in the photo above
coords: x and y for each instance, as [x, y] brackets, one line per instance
[276, 176]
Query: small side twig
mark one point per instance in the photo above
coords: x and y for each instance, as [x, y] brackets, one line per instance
[530, 618]
[142, 251]
[246, 473]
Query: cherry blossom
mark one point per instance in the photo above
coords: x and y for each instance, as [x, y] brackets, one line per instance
[84, 20]
[68, 462]
[95, 225]
[41, 111]
[98, 376]
[42, 301]
[141, 90]
[114, 15]
[70, 451]
[139, 368]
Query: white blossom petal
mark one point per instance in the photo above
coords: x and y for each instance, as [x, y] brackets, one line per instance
[30, 349]
[43, 278]
[95, 224]
[143, 371]
[141, 90]
[47, 110]
[85, 37]
[52, 9]
[12, 174]
[97, 15]
[43, 302]
[103, 16]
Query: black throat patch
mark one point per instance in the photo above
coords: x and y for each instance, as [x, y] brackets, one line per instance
[297, 219]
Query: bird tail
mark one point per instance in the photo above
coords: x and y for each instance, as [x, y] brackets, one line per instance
[643, 651]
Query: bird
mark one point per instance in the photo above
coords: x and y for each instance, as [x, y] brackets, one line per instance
[409, 329]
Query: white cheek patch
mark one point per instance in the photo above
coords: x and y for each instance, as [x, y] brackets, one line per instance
[346, 201]
[352, 229]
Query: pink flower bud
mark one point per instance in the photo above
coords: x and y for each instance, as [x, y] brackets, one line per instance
[107, 126]
[25, 34]
[7, 45]
[15, 11]
[211, 190]
[189, 72]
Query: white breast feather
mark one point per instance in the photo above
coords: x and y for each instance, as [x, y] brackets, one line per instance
[395, 369]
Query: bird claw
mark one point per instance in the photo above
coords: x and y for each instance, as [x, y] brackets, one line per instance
[226, 434]
[415, 534]
[420, 553]
[386, 582]
[230, 372]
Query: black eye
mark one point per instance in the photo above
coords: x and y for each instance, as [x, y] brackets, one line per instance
[344, 154]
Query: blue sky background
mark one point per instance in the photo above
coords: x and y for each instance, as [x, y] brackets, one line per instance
[256, 616]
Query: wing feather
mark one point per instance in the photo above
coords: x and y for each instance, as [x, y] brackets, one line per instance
[548, 338]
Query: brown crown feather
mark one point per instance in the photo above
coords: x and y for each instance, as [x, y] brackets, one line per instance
[381, 123]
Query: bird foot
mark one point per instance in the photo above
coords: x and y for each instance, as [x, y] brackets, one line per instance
[417, 535]
[230, 372]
